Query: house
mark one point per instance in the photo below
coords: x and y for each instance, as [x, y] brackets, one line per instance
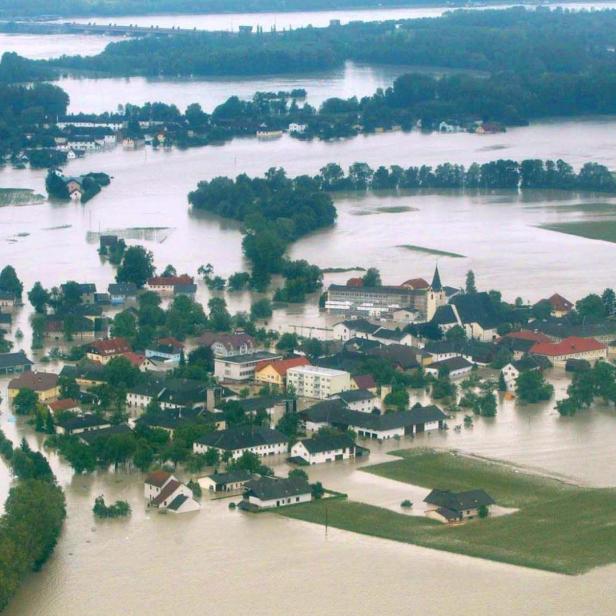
[62, 406]
[85, 373]
[231, 481]
[80, 424]
[227, 345]
[241, 367]
[164, 491]
[370, 425]
[392, 336]
[295, 128]
[89, 437]
[416, 283]
[87, 290]
[323, 448]
[256, 439]
[570, 348]
[179, 393]
[6, 321]
[353, 328]
[403, 358]
[102, 351]
[451, 507]
[171, 285]
[166, 351]
[446, 317]
[44, 384]
[528, 363]
[364, 381]
[264, 404]
[121, 292]
[560, 305]
[14, 363]
[442, 349]
[7, 300]
[455, 367]
[477, 315]
[275, 372]
[521, 342]
[271, 492]
[362, 400]
[172, 419]
[317, 382]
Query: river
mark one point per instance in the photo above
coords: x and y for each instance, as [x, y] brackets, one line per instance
[225, 562]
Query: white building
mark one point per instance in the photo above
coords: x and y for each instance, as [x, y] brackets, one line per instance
[324, 448]
[456, 367]
[297, 128]
[164, 491]
[272, 492]
[241, 367]
[317, 382]
[361, 400]
[235, 441]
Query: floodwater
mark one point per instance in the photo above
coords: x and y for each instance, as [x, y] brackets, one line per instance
[54, 45]
[301, 19]
[223, 562]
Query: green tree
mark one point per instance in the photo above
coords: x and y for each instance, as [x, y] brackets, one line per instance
[298, 473]
[219, 317]
[532, 387]
[608, 297]
[502, 385]
[144, 456]
[10, 283]
[590, 307]
[69, 389]
[470, 286]
[25, 402]
[287, 343]
[372, 278]
[119, 372]
[456, 334]
[124, 325]
[39, 297]
[261, 309]
[542, 310]
[137, 266]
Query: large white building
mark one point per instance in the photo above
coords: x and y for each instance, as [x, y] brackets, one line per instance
[256, 439]
[271, 492]
[317, 382]
[241, 367]
[324, 448]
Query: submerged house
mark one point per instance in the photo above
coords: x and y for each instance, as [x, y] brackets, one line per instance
[452, 507]
[272, 492]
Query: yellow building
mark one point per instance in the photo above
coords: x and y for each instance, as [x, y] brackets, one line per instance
[275, 372]
[44, 384]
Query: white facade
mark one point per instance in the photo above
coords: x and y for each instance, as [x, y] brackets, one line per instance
[259, 450]
[281, 502]
[317, 382]
[343, 453]
[239, 368]
[510, 374]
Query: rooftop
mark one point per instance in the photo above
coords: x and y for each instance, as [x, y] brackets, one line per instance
[10, 360]
[459, 501]
[317, 370]
[36, 381]
[568, 346]
[327, 442]
[249, 358]
[269, 488]
[282, 365]
[242, 438]
[158, 478]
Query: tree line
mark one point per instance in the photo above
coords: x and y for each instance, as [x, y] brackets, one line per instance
[34, 514]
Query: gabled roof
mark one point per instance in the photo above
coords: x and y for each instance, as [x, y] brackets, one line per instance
[364, 381]
[232, 342]
[122, 288]
[231, 477]
[11, 360]
[327, 442]
[359, 325]
[476, 308]
[389, 334]
[36, 381]
[405, 357]
[436, 281]
[92, 436]
[83, 422]
[167, 491]
[440, 347]
[445, 315]
[170, 281]
[526, 334]
[416, 283]
[63, 405]
[354, 395]
[158, 478]
[177, 502]
[459, 501]
[242, 438]
[426, 414]
[282, 365]
[452, 364]
[559, 303]
[109, 346]
[568, 346]
[269, 488]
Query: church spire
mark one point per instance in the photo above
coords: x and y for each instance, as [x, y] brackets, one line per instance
[436, 281]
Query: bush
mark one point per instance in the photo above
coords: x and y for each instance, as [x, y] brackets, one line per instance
[120, 509]
[406, 504]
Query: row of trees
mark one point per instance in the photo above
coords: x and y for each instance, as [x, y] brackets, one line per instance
[33, 517]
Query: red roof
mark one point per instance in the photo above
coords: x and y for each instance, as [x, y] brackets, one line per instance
[354, 282]
[63, 405]
[134, 358]
[558, 302]
[36, 381]
[171, 341]
[158, 478]
[166, 492]
[110, 346]
[568, 346]
[525, 334]
[364, 381]
[170, 281]
[416, 283]
[282, 365]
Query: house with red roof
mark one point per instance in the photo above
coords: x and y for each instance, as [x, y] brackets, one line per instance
[172, 285]
[102, 351]
[364, 381]
[570, 348]
[60, 406]
[521, 342]
[275, 372]
[165, 492]
[416, 283]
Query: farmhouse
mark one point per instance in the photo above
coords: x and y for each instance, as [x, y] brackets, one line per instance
[80, 424]
[323, 448]
[102, 351]
[171, 285]
[164, 491]
[570, 348]
[225, 345]
[451, 507]
[256, 439]
[232, 481]
[361, 400]
[271, 492]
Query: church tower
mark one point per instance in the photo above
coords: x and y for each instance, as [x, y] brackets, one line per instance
[436, 295]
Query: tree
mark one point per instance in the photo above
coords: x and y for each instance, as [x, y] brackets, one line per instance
[317, 490]
[119, 373]
[137, 266]
[590, 307]
[39, 297]
[502, 384]
[69, 389]
[144, 456]
[542, 310]
[261, 309]
[124, 325]
[9, 283]
[372, 277]
[119, 448]
[397, 398]
[219, 317]
[608, 297]
[287, 343]
[487, 405]
[25, 402]
[456, 334]
[470, 282]
[532, 387]
[298, 473]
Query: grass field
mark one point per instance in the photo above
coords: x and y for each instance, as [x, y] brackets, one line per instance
[431, 251]
[559, 527]
[594, 230]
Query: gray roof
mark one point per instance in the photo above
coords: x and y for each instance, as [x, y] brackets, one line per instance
[476, 308]
[389, 334]
[122, 288]
[82, 422]
[459, 501]
[177, 502]
[12, 360]
[452, 364]
[445, 315]
[243, 438]
[269, 488]
[355, 395]
[327, 442]
[92, 436]
[248, 358]
[230, 477]
[360, 325]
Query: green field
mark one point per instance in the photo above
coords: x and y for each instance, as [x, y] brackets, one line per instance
[593, 230]
[559, 527]
[431, 251]
[19, 196]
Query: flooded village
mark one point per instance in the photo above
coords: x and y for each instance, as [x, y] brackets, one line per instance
[384, 398]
